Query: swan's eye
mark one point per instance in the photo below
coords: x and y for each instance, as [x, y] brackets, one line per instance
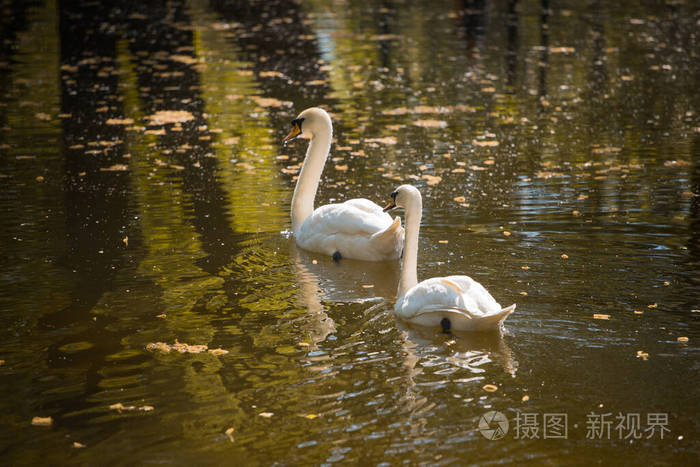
[297, 122]
[393, 195]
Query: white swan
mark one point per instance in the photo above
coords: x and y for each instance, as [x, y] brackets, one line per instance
[357, 228]
[453, 302]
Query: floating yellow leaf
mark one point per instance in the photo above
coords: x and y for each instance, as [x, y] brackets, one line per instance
[311, 416]
[600, 316]
[506, 233]
[115, 168]
[390, 140]
[42, 421]
[525, 398]
[653, 305]
[368, 286]
[486, 143]
[459, 199]
[643, 355]
[120, 121]
[430, 123]
[682, 339]
[637, 312]
[78, 445]
[266, 414]
[523, 293]
[525, 267]
[342, 168]
[170, 116]
[229, 433]
[431, 179]
[270, 102]
[218, 351]
[564, 256]
[443, 241]
[490, 387]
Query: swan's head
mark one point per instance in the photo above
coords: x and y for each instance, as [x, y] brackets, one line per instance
[403, 197]
[309, 123]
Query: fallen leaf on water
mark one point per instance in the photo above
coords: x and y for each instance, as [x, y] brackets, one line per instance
[653, 305]
[459, 199]
[643, 355]
[162, 316]
[115, 168]
[146, 408]
[485, 143]
[561, 50]
[600, 316]
[564, 256]
[443, 241]
[43, 116]
[682, 339]
[311, 416]
[120, 121]
[429, 123]
[126, 241]
[39, 178]
[667, 283]
[490, 387]
[229, 433]
[42, 421]
[186, 59]
[271, 74]
[270, 102]
[525, 267]
[2, 362]
[431, 179]
[523, 293]
[367, 286]
[266, 414]
[342, 168]
[78, 445]
[506, 233]
[525, 398]
[121, 407]
[170, 116]
[390, 140]
[218, 351]
[159, 132]
[637, 312]
[458, 170]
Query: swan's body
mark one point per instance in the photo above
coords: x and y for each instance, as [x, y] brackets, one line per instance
[357, 228]
[453, 302]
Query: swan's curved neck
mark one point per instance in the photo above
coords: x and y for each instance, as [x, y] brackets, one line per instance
[409, 272]
[310, 175]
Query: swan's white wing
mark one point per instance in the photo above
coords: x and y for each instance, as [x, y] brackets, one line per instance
[465, 302]
[354, 217]
[356, 229]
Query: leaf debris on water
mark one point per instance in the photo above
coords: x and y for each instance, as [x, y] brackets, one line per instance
[564, 256]
[42, 421]
[119, 407]
[229, 433]
[266, 414]
[78, 445]
[600, 316]
[682, 339]
[642, 354]
[490, 387]
[170, 116]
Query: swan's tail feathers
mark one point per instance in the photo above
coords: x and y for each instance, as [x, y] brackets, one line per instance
[461, 319]
[391, 237]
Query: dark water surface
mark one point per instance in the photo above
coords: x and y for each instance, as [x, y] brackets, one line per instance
[557, 147]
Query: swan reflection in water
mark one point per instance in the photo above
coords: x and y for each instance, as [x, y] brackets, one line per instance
[447, 355]
[322, 280]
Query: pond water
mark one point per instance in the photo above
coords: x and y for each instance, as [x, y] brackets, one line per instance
[557, 148]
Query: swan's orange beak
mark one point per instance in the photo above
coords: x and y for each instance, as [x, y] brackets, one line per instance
[296, 131]
[390, 206]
